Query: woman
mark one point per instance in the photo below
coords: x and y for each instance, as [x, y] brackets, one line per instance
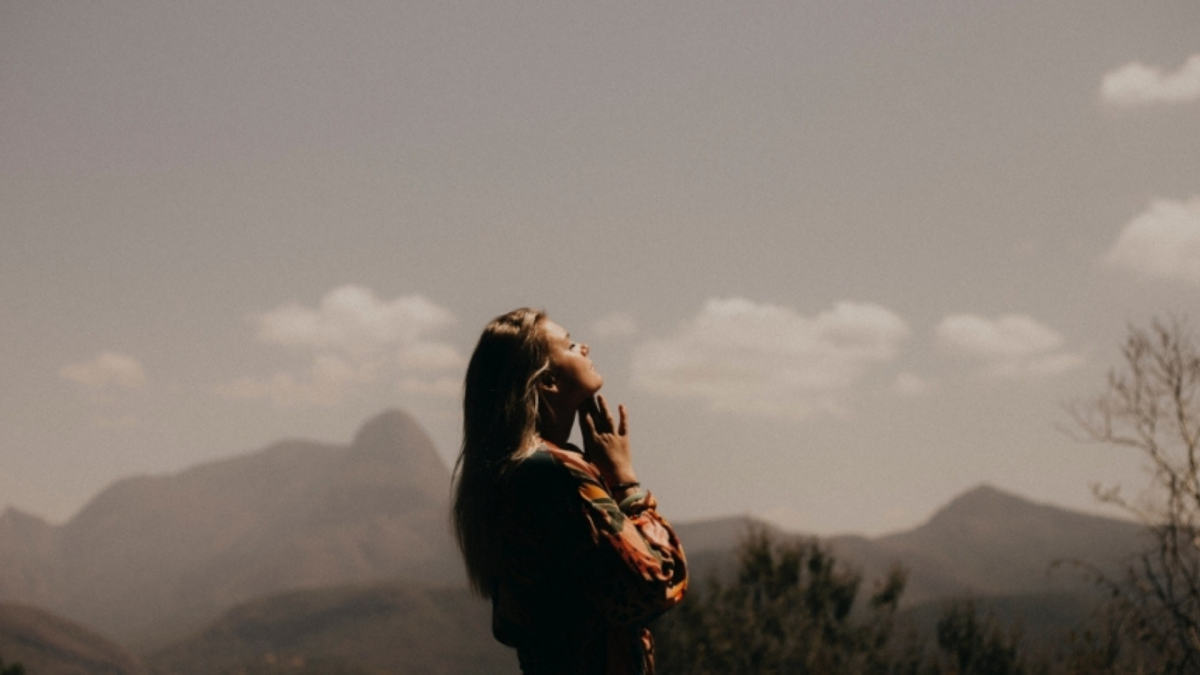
[564, 541]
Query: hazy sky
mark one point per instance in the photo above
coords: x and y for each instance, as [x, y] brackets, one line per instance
[843, 260]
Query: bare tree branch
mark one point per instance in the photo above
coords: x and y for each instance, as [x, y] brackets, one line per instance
[1151, 406]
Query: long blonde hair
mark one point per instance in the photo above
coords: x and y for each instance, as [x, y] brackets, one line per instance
[500, 413]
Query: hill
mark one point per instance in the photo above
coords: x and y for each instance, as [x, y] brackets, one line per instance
[985, 542]
[152, 558]
[398, 629]
[280, 533]
[373, 629]
[45, 643]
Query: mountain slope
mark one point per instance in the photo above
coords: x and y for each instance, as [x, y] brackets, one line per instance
[26, 550]
[988, 542]
[150, 557]
[984, 542]
[384, 628]
[45, 643]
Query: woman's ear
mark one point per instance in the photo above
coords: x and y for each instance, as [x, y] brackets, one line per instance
[547, 383]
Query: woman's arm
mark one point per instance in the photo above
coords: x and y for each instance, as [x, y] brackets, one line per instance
[636, 569]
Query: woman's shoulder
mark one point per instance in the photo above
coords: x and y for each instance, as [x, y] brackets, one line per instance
[551, 462]
[569, 458]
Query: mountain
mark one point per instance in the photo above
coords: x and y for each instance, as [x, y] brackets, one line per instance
[26, 544]
[395, 628]
[281, 532]
[153, 557]
[988, 542]
[45, 643]
[984, 542]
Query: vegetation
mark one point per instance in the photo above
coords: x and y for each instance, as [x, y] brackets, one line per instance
[789, 610]
[1151, 406]
[792, 609]
[976, 644]
[11, 669]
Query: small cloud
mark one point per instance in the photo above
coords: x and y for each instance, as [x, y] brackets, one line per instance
[1163, 242]
[1009, 346]
[1136, 84]
[1014, 335]
[324, 384]
[429, 356]
[444, 387]
[352, 338]
[615, 325]
[106, 371]
[352, 320]
[764, 360]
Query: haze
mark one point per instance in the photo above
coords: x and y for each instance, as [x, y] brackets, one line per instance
[842, 260]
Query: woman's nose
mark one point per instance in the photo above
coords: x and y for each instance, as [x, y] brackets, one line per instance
[584, 349]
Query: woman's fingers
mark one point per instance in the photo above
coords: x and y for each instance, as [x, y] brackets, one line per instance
[585, 421]
[599, 418]
[603, 404]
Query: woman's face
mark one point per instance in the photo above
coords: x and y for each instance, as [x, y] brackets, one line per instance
[573, 371]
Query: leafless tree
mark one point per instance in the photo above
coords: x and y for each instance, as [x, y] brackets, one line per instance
[1151, 405]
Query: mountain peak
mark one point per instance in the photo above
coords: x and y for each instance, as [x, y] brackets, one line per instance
[15, 523]
[393, 426]
[394, 441]
[985, 495]
[985, 501]
[986, 511]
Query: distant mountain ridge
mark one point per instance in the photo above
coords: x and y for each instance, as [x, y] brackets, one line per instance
[984, 542]
[447, 631]
[152, 555]
[154, 559]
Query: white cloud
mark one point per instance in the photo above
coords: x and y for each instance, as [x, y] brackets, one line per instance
[107, 370]
[617, 324]
[1009, 336]
[1009, 346]
[445, 387]
[353, 338]
[426, 356]
[352, 320]
[765, 360]
[1162, 242]
[324, 383]
[1138, 84]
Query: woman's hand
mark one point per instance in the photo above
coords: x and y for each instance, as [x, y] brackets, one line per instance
[606, 442]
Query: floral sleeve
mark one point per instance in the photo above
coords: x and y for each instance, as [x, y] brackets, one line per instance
[638, 570]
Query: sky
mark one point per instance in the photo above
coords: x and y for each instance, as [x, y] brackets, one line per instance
[842, 260]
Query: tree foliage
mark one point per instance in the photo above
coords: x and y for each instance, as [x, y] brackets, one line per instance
[790, 609]
[793, 608]
[976, 644]
[1151, 406]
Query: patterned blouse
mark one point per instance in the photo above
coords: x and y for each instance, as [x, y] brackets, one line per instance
[583, 575]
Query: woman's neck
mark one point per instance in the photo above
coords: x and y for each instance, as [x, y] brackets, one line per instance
[556, 428]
